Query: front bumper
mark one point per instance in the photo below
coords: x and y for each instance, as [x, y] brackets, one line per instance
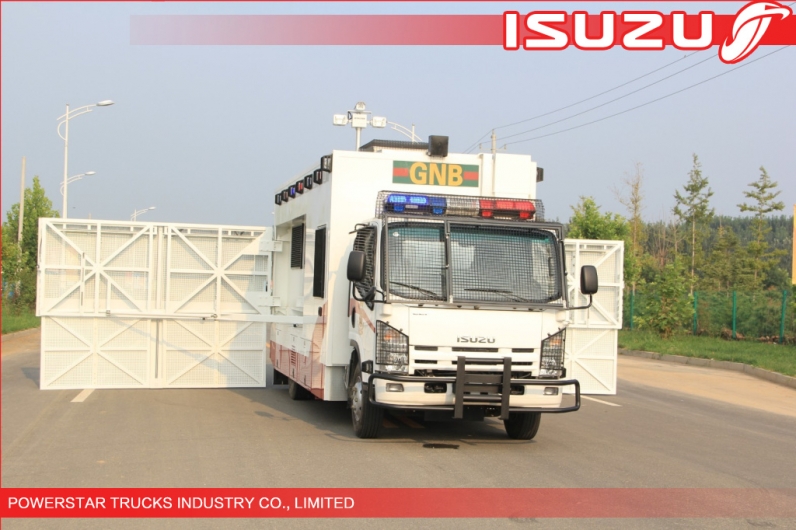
[471, 389]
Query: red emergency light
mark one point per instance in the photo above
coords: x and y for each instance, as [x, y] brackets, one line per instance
[506, 208]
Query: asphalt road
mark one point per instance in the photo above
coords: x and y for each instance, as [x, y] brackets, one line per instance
[665, 432]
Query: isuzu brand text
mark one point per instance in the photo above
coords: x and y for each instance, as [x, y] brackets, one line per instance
[476, 340]
[646, 30]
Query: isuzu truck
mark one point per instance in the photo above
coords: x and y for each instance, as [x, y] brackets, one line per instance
[428, 282]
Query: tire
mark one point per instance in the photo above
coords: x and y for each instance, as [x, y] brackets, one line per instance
[297, 392]
[365, 417]
[522, 425]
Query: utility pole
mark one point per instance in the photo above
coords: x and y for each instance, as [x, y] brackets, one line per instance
[494, 142]
[21, 204]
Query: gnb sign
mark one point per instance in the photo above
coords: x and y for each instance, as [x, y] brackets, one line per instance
[435, 174]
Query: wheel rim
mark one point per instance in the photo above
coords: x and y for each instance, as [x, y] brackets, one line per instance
[356, 400]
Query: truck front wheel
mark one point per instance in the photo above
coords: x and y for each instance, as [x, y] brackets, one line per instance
[365, 416]
[522, 425]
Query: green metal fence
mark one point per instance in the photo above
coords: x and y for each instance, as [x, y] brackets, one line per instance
[763, 315]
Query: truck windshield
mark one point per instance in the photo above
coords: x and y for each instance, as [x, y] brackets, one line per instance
[498, 264]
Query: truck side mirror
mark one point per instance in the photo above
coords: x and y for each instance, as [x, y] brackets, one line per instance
[588, 279]
[356, 266]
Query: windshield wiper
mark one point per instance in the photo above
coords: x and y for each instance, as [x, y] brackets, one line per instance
[426, 291]
[499, 291]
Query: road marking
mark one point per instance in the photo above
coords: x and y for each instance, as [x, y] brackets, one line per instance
[600, 401]
[81, 397]
[409, 421]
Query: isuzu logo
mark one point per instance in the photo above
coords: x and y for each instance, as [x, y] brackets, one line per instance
[650, 30]
[475, 340]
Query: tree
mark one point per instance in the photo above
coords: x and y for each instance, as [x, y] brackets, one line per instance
[670, 309]
[19, 257]
[726, 267]
[693, 209]
[761, 204]
[587, 222]
[634, 203]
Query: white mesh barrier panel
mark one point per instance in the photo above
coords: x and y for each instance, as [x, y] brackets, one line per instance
[591, 346]
[213, 354]
[143, 305]
[81, 352]
[590, 357]
[608, 258]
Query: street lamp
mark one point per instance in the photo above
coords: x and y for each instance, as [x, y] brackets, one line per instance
[76, 177]
[140, 212]
[64, 120]
[403, 130]
[358, 118]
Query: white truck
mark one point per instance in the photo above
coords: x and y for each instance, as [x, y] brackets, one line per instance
[428, 282]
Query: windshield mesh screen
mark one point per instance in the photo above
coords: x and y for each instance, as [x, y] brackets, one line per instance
[416, 260]
[500, 264]
[488, 263]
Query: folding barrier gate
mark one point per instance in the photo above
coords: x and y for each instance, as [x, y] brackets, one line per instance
[145, 305]
[591, 345]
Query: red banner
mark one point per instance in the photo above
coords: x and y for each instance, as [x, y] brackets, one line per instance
[426, 30]
[400, 502]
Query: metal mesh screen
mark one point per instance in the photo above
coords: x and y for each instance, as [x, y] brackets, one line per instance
[297, 247]
[498, 264]
[319, 263]
[416, 260]
[552, 358]
[525, 210]
[482, 263]
[365, 241]
[392, 346]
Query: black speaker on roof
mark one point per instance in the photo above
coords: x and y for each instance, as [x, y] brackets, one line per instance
[438, 146]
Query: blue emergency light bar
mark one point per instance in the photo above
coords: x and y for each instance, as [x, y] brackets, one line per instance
[402, 202]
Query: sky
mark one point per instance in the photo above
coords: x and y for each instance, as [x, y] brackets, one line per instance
[206, 133]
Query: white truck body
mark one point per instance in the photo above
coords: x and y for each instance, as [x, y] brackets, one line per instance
[318, 354]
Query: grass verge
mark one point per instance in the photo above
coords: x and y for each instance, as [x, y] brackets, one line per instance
[774, 357]
[13, 321]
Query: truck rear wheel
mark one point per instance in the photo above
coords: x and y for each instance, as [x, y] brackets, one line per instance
[365, 416]
[296, 391]
[522, 425]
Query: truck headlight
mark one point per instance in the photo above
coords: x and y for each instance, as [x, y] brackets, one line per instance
[552, 358]
[392, 348]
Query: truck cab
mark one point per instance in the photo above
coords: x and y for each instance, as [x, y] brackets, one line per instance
[458, 307]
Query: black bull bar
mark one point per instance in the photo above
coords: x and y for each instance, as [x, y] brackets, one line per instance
[477, 389]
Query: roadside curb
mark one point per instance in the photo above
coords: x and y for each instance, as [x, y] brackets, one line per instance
[22, 333]
[774, 377]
